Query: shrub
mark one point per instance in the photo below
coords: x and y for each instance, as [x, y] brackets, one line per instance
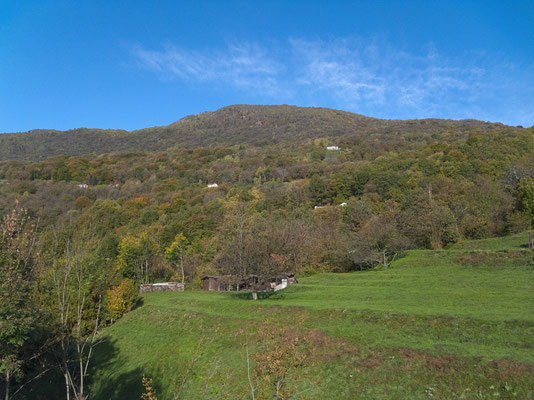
[121, 298]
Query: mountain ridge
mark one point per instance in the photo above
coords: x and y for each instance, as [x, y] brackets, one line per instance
[238, 124]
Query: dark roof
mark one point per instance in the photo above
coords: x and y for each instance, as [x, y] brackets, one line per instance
[209, 277]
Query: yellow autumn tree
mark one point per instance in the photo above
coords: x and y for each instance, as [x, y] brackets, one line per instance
[121, 298]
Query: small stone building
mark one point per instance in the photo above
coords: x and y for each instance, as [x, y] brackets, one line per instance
[162, 287]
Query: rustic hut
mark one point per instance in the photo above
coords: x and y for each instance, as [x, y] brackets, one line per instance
[211, 283]
[162, 287]
[221, 283]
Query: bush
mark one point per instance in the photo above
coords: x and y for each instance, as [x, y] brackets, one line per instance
[121, 298]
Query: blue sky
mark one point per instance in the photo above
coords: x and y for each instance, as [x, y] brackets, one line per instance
[133, 64]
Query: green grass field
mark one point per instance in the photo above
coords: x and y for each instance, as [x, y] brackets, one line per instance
[450, 324]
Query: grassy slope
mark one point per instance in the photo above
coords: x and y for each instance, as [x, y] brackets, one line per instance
[433, 325]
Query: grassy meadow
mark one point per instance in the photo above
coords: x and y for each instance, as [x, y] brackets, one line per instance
[449, 324]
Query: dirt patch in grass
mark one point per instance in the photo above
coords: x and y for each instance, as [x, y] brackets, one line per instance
[439, 365]
[371, 361]
[444, 365]
[319, 346]
[327, 348]
[504, 369]
[502, 258]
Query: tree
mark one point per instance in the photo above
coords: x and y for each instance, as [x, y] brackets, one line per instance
[175, 252]
[526, 196]
[328, 239]
[428, 223]
[378, 242]
[121, 298]
[235, 238]
[75, 284]
[135, 257]
[258, 250]
[317, 190]
[17, 313]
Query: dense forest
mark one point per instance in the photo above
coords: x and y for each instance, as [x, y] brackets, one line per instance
[90, 214]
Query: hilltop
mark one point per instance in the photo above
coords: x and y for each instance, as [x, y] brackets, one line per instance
[240, 125]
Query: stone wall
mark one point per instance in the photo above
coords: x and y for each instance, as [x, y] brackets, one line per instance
[162, 287]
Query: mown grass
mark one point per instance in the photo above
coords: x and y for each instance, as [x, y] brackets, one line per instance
[456, 323]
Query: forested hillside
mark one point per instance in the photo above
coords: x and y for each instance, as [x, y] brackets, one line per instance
[242, 125]
[425, 186]
[290, 189]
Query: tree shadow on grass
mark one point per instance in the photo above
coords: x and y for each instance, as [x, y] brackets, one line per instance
[49, 385]
[106, 382]
[248, 295]
[139, 303]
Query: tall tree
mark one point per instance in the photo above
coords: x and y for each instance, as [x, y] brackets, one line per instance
[76, 282]
[235, 238]
[175, 252]
[17, 313]
[135, 257]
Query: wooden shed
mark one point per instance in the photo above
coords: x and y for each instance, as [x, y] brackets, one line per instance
[211, 283]
[224, 283]
[220, 283]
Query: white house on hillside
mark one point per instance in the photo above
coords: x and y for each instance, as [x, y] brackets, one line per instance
[332, 148]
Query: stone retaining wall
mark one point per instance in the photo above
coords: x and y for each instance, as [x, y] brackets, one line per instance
[162, 287]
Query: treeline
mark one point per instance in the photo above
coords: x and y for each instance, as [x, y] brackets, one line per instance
[80, 233]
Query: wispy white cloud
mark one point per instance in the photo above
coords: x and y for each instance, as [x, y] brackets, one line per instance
[246, 65]
[364, 76]
[339, 69]
[370, 76]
